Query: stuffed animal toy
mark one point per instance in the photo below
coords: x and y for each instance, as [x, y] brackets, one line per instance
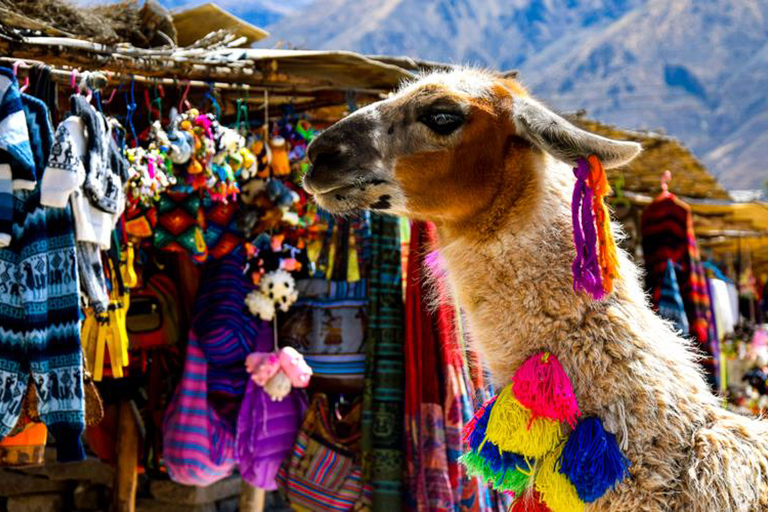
[278, 387]
[278, 372]
[250, 189]
[295, 367]
[262, 366]
[281, 288]
[280, 164]
[260, 306]
[263, 158]
[277, 289]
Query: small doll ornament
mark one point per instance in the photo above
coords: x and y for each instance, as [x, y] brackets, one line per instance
[280, 164]
[278, 372]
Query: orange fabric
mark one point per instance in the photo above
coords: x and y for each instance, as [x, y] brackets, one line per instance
[34, 435]
[607, 255]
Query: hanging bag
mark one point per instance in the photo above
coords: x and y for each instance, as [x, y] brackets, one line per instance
[198, 449]
[153, 316]
[323, 472]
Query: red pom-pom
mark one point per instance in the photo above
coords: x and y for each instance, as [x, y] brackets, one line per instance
[529, 502]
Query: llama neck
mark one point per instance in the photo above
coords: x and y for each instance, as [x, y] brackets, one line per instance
[515, 285]
[517, 291]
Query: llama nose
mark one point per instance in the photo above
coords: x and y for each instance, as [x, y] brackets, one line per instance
[326, 156]
[323, 148]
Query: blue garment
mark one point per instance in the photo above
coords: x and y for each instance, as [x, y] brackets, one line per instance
[671, 304]
[17, 168]
[39, 307]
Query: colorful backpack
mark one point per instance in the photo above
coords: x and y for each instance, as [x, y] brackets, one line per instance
[153, 319]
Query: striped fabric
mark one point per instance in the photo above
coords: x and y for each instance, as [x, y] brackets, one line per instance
[327, 467]
[198, 448]
[667, 231]
[307, 488]
[670, 303]
[337, 365]
[384, 389]
[17, 167]
[227, 333]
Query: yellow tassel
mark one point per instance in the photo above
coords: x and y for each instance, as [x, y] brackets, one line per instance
[122, 316]
[607, 255]
[101, 343]
[332, 253]
[511, 429]
[113, 344]
[89, 336]
[555, 489]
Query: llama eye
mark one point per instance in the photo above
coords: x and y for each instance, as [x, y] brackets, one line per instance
[442, 123]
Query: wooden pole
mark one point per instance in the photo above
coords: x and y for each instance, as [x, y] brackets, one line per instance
[252, 499]
[126, 478]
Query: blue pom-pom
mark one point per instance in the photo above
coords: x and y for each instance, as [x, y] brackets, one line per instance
[592, 460]
[501, 462]
[477, 436]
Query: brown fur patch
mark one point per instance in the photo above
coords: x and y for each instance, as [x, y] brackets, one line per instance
[472, 189]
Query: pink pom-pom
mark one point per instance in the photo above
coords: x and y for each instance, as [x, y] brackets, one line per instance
[262, 366]
[295, 367]
[542, 386]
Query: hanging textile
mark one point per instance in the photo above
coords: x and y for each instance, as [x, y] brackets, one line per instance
[383, 393]
[667, 231]
[198, 447]
[328, 322]
[266, 429]
[426, 452]
[670, 302]
[226, 331]
[469, 493]
[38, 288]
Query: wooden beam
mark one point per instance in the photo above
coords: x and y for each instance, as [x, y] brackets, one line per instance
[252, 499]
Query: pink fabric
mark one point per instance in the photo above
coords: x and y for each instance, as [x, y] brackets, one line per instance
[197, 446]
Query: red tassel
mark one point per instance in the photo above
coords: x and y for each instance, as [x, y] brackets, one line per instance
[529, 502]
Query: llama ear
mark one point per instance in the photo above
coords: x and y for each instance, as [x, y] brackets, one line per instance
[565, 141]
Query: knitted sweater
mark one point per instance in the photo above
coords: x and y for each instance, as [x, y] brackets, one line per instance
[17, 168]
[64, 180]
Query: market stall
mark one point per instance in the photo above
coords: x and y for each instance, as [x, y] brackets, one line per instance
[201, 318]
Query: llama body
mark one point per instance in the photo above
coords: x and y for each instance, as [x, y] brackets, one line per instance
[505, 234]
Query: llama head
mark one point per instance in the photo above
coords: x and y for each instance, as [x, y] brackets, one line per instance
[444, 147]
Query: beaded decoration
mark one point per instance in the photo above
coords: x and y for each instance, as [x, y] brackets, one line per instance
[518, 444]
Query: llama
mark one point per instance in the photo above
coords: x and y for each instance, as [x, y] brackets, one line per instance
[491, 167]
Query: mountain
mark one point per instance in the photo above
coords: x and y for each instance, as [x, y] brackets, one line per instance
[697, 69]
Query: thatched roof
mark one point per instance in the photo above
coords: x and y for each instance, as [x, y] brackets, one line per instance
[125, 21]
[660, 152]
[195, 23]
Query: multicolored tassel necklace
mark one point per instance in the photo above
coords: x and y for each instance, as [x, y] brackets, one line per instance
[517, 443]
[517, 440]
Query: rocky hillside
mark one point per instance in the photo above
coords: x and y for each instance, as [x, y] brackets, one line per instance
[696, 69]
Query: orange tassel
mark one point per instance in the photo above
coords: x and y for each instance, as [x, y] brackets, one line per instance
[607, 255]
